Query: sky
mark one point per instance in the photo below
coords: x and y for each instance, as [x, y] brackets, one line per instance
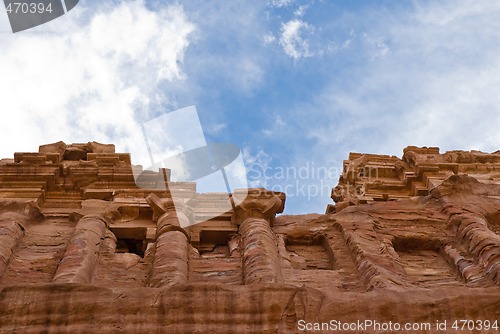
[295, 84]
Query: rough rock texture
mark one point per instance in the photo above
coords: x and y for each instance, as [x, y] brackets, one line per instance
[82, 252]
[83, 249]
[370, 177]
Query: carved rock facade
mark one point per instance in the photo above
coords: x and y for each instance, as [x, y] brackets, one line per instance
[83, 248]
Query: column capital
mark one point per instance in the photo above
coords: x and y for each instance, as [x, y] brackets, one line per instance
[170, 215]
[159, 205]
[256, 203]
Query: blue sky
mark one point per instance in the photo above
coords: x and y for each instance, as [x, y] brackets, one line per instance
[296, 84]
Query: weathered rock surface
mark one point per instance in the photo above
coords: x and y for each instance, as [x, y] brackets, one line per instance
[83, 249]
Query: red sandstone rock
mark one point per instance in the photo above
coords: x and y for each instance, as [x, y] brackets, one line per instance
[83, 249]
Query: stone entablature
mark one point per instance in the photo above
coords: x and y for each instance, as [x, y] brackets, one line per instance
[60, 177]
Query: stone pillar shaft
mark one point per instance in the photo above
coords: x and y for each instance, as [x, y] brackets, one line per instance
[261, 262]
[80, 259]
[11, 234]
[254, 212]
[481, 242]
[171, 263]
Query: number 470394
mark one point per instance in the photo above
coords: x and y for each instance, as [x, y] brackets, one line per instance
[28, 8]
[474, 325]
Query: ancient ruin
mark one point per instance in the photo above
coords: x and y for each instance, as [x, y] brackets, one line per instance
[87, 246]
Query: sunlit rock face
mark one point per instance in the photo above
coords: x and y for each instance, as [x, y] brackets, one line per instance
[84, 249]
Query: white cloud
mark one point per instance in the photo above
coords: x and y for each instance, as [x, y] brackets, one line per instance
[299, 12]
[269, 38]
[87, 76]
[257, 167]
[427, 76]
[251, 74]
[276, 125]
[215, 129]
[236, 173]
[379, 48]
[281, 3]
[291, 40]
[438, 85]
[227, 48]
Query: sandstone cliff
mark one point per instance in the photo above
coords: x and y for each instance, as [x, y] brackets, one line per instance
[84, 249]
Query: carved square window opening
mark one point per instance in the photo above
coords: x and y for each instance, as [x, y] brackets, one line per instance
[130, 240]
[423, 262]
[310, 254]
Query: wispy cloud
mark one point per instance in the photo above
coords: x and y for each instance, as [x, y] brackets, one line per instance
[437, 85]
[257, 163]
[364, 77]
[281, 3]
[299, 12]
[291, 40]
[269, 38]
[90, 76]
[427, 75]
[276, 126]
[379, 48]
[215, 129]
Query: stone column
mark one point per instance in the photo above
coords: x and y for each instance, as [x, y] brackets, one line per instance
[14, 216]
[11, 233]
[473, 232]
[171, 261]
[80, 259]
[254, 211]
